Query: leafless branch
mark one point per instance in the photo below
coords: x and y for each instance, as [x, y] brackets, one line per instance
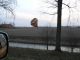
[52, 3]
[69, 17]
[6, 5]
[10, 10]
[65, 4]
[52, 7]
[50, 13]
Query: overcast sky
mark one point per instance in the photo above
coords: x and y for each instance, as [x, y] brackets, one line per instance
[29, 9]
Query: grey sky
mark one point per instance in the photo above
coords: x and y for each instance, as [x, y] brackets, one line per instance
[29, 9]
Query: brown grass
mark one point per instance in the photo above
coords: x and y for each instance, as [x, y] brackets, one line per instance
[34, 54]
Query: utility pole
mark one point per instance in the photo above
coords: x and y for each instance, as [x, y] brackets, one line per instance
[58, 32]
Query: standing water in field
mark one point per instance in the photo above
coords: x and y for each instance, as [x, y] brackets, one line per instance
[42, 47]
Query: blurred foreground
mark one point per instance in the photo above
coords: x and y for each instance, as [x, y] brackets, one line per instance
[35, 54]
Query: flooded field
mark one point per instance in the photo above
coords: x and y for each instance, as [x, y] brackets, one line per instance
[41, 47]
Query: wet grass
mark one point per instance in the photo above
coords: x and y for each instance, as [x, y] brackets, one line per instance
[35, 54]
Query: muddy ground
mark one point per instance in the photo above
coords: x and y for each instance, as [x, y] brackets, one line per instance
[35, 54]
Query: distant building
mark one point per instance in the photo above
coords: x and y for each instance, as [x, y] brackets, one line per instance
[6, 26]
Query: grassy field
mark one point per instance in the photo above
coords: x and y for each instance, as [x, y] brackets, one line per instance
[34, 54]
[42, 32]
[69, 35]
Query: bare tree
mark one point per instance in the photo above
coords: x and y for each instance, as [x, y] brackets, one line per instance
[53, 5]
[58, 33]
[57, 5]
[8, 5]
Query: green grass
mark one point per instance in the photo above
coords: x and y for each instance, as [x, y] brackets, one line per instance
[34, 54]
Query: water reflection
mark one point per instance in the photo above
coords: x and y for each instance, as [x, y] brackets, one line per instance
[42, 47]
